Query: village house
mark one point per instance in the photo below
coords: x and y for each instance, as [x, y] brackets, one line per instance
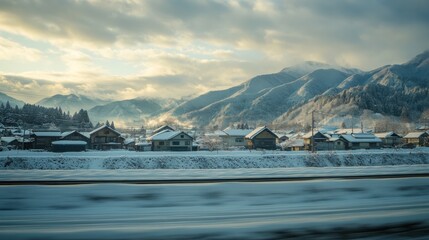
[293, 145]
[234, 138]
[105, 138]
[361, 141]
[417, 138]
[171, 141]
[324, 142]
[71, 141]
[17, 142]
[389, 139]
[143, 146]
[261, 138]
[281, 138]
[320, 141]
[130, 143]
[75, 136]
[44, 139]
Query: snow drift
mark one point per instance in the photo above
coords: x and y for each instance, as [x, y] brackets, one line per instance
[210, 160]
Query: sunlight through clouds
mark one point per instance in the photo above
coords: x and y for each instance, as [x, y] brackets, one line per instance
[199, 45]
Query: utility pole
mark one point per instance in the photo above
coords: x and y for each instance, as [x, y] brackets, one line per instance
[23, 139]
[312, 131]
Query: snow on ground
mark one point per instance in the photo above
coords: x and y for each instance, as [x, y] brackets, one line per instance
[322, 209]
[209, 160]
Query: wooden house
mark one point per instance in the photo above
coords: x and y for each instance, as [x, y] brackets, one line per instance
[293, 145]
[75, 136]
[281, 138]
[261, 138]
[171, 141]
[320, 141]
[417, 138]
[44, 139]
[389, 139]
[105, 138]
[361, 141]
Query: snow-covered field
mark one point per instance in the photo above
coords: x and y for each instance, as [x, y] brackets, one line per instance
[328, 209]
[209, 160]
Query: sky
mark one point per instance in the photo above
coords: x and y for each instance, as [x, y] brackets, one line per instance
[160, 48]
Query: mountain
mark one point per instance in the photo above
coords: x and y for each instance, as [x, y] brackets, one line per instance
[288, 97]
[262, 98]
[71, 102]
[131, 112]
[396, 91]
[12, 101]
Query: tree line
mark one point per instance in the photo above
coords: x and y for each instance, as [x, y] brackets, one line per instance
[35, 116]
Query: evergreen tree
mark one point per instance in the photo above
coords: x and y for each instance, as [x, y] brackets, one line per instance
[112, 125]
[107, 123]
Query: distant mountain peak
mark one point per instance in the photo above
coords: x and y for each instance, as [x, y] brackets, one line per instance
[421, 60]
[306, 67]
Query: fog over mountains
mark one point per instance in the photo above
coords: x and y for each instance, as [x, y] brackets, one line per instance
[284, 98]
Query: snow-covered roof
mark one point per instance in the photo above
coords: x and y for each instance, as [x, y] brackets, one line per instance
[69, 142]
[414, 134]
[47, 134]
[351, 131]
[361, 138]
[166, 135]
[129, 140]
[143, 144]
[293, 143]
[385, 134]
[308, 135]
[257, 131]
[8, 139]
[86, 134]
[237, 132]
[65, 134]
[162, 128]
[217, 133]
[104, 126]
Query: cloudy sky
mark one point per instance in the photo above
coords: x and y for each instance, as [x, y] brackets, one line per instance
[159, 48]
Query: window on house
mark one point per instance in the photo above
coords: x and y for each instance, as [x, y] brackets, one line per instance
[187, 143]
[161, 143]
[182, 136]
[176, 143]
[239, 140]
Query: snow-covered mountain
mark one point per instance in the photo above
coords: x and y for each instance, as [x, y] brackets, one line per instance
[262, 98]
[289, 96]
[12, 101]
[400, 90]
[71, 102]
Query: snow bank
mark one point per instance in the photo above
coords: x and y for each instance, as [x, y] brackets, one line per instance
[209, 160]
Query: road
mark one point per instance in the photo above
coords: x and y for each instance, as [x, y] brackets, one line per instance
[373, 207]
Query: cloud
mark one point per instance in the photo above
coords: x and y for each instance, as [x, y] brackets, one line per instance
[12, 50]
[120, 49]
